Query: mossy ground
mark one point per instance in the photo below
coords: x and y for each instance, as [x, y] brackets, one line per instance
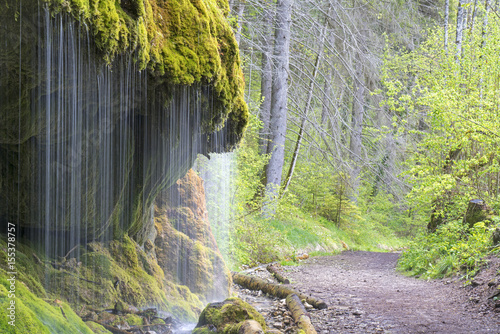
[106, 275]
[35, 315]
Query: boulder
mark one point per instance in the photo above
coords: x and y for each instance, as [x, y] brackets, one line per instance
[232, 316]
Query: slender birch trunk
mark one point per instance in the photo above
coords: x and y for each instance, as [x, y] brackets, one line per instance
[460, 29]
[239, 15]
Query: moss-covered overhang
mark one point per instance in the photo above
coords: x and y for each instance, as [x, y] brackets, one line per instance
[178, 41]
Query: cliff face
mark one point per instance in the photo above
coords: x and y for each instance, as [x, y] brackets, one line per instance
[177, 270]
[184, 243]
[104, 104]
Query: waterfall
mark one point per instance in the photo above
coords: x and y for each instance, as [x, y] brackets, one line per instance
[219, 173]
[91, 144]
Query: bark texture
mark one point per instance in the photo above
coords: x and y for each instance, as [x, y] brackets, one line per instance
[460, 29]
[272, 269]
[278, 124]
[300, 314]
[266, 82]
[446, 22]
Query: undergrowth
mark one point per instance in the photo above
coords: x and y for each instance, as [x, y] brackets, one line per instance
[292, 232]
[452, 249]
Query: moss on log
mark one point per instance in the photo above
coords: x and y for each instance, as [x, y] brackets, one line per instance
[272, 269]
[281, 291]
[300, 314]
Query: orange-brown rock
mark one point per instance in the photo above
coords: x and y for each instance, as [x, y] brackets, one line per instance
[185, 246]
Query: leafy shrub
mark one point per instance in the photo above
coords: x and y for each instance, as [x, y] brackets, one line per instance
[452, 248]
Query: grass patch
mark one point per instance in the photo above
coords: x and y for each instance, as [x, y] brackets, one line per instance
[256, 240]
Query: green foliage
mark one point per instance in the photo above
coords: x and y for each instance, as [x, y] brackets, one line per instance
[258, 240]
[452, 248]
[448, 107]
[446, 103]
[250, 166]
[387, 214]
[314, 216]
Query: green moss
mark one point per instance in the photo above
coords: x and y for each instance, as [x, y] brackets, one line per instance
[224, 316]
[34, 315]
[183, 41]
[96, 328]
[124, 252]
[158, 321]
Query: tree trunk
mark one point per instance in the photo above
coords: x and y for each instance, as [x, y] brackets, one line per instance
[460, 29]
[278, 105]
[327, 98]
[277, 290]
[485, 22]
[277, 275]
[473, 19]
[300, 314]
[266, 82]
[358, 111]
[446, 23]
[239, 15]
[307, 106]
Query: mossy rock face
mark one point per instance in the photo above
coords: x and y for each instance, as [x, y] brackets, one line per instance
[36, 315]
[180, 41]
[104, 279]
[227, 316]
[96, 328]
[184, 243]
[176, 44]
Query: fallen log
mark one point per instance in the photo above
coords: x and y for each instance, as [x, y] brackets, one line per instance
[280, 291]
[272, 269]
[300, 314]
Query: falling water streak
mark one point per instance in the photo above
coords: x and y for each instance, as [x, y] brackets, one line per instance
[103, 143]
[219, 173]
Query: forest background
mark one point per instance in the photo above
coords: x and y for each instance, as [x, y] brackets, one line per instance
[373, 124]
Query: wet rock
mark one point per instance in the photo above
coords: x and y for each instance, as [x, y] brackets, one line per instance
[106, 318]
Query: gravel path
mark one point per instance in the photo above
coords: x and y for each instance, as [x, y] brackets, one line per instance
[366, 295]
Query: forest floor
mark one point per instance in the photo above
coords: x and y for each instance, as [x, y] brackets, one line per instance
[365, 294]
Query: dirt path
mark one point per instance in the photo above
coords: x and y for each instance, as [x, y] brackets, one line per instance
[366, 295]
